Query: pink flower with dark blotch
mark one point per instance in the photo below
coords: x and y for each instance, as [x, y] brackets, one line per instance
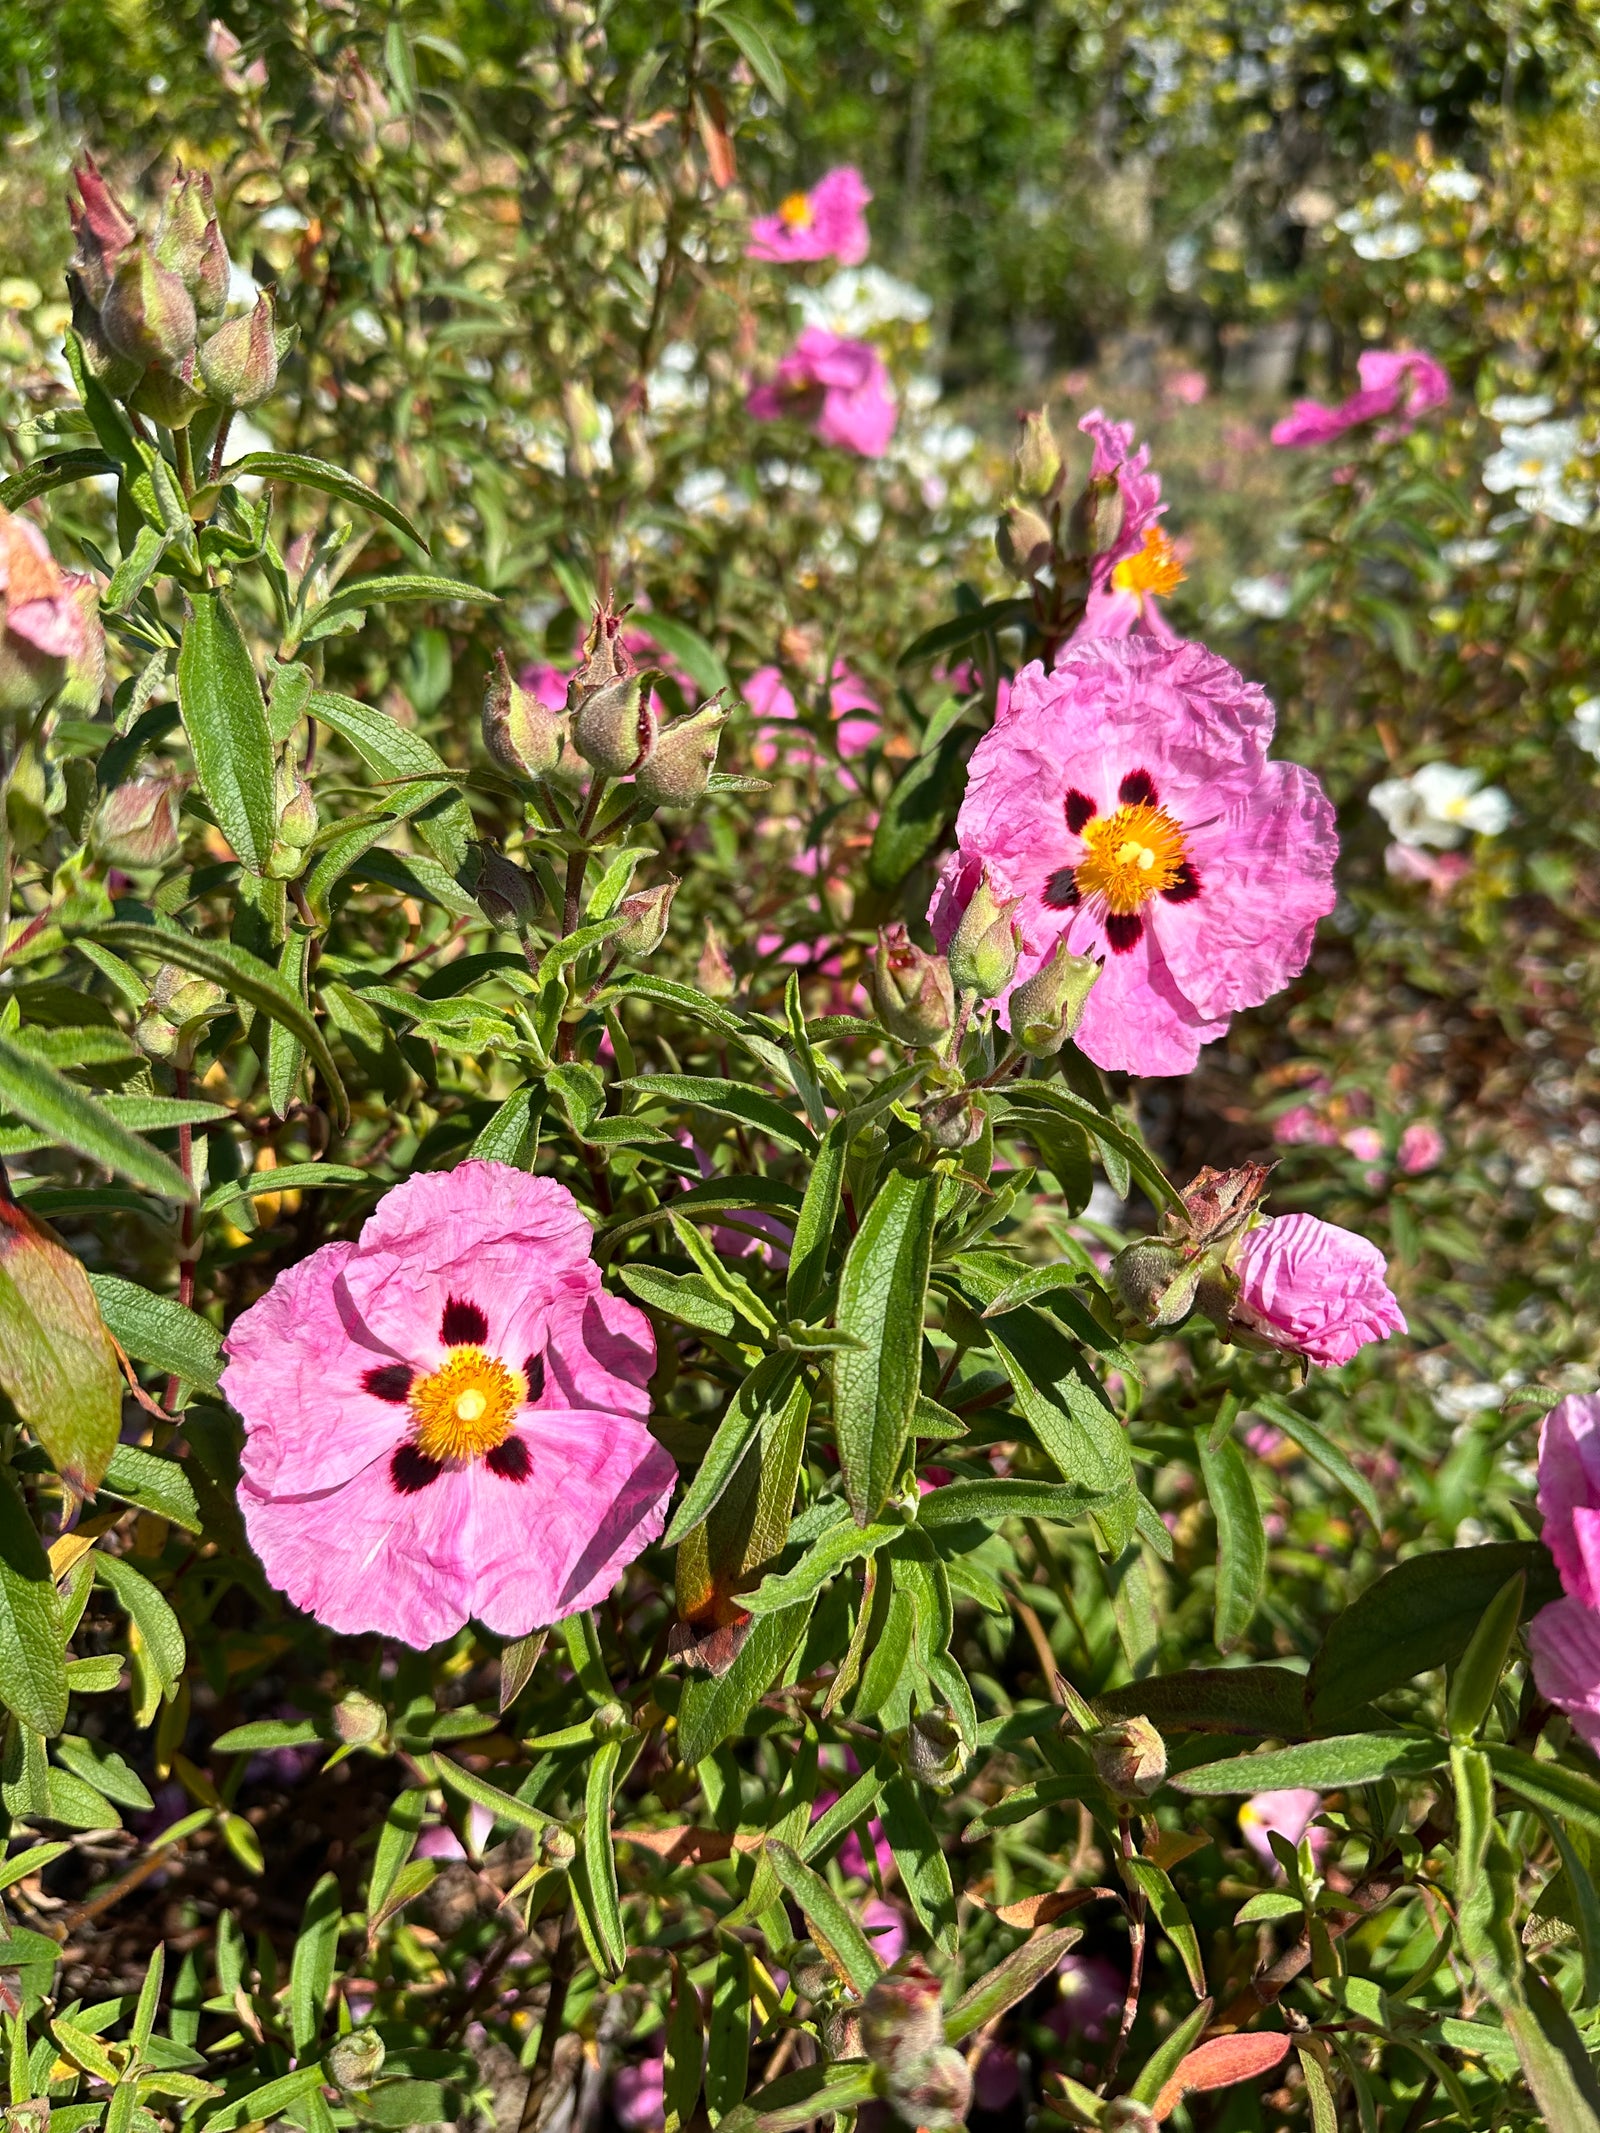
[1313, 1288]
[1421, 1148]
[829, 222]
[639, 2094]
[1285, 1814]
[447, 1418]
[1569, 1493]
[1142, 567]
[839, 386]
[1400, 382]
[1090, 1997]
[853, 707]
[1128, 802]
[1564, 1639]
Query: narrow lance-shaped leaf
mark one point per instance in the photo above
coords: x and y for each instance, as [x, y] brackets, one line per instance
[1241, 1539]
[70, 1115]
[57, 1362]
[33, 1678]
[225, 718]
[883, 1291]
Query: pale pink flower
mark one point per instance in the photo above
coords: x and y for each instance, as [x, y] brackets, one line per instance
[49, 618]
[1313, 1288]
[1302, 1126]
[1569, 1493]
[1285, 1814]
[1440, 870]
[839, 386]
[884, 1924]
[1400, 382]
[829, 222]
[853, 707]
[1128, 802]
[639, 2094]
[1365, 1143]
[1142, 566]
[447, 1418]
[1187, 387]
[1421, 1148]
[1564, 1639]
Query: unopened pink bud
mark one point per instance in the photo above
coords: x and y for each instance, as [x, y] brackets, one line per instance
[148, 315]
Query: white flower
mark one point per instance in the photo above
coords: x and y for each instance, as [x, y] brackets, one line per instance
[673, 384]
[1268, 598]
[243, 288]
[1532, 460]
[1356, 220]
[1586, 724]
[367, 324]
[1464, 555]
[1441, 804]
[859, 299]
[281, 217]
[1453, 183]
[1392, 240]
[1520, 407]
[708, 494]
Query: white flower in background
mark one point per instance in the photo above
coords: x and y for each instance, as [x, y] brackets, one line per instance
[1586, 724]
[674, 384]
[282, 217]
[921, 395]
[1375, 232]
[857, 300]
[243, 288]
[1267, 598]
[368, 326]
[1467, 554]
[1520, 407]
[1532, 461]
[1453, 183]
[1441, 804]
[708, 494]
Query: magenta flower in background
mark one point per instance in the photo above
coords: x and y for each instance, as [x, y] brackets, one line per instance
[997, 2079]
[1401, 382]
[447, 1418]
[1090, 1995]
[1142, 567]
[839, 386]
[829, 222]
[884, 1925]
[546, 682]
[1302, 1126]
[1569, 1493]
[1129, 803]
[1285, 1814]
[1421, 1148]
[639, 2094]
[854, 708]
[1313, 1288]
[1564, 1639]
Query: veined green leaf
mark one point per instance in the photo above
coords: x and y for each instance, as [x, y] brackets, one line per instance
[71, 1116]
[225, 718]
[1241, 1540]
[883, 1288]
[332, 481]
[832, 1927]
[33, 1679]
[1321, 1765]
[160, 1330]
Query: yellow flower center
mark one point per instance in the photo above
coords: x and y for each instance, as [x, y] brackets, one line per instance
[1133, 855]
[795, 212]
[1155, 569]
[464, 1408]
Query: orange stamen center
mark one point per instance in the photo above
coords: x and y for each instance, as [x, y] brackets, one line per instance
[795, 212]
[464, 1408]
[1132, 856]
[1155, 569]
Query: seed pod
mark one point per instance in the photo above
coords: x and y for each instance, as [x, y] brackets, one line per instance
[239, 363]
[1022, 541]
[677, 770]
[520, 731]
[1157, 1281]
[148, 315]
[355, 2061]
[911, 989]
[613, 726]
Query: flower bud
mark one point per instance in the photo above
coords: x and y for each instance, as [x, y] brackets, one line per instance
[677, 770]
[175, 1014]
[84, 682]
[102, 229]
[938, 2096]
[1157, 1281]
[952, 1122]
[840, 2029]
[189, 242]
[1130, 1758]
[508, 896]
[1097, 516]
[1125, 2114]
[355, 2061]
[136, 825]
[614, 727]
[520, 731]
[901, 2019]
[101, 360]
[644, 919]
[239, 363]
[983, 954]
[911, 990]
[297, 819]
[1046, 1010]
[714, 974]
[222, 53]
[1022, 541]
[148, 315]
[559, 1845]
[934, 1752]
[169, 397]
[359, 1721]
[1038, 464]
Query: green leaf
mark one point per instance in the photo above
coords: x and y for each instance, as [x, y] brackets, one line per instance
[714, 1196]
[332, 481]
[237, 971]
[728, 1099]
[72, 1117]
[990, 1502]
[1320, 1765]
[1417, 1616]
[832, 1927]
[924, 1870]
[361, 593]
[1554, 2059]
[698, 660]
[961, 629]
[1172, 1916]
[105, 1770]
[841, 1544]
[160, 1330]
[150, 1614]
[1164, 2061]
[501, 1805]
[53, 471]
[1554, 1788]
[1008, 1982]
[812, 2094]
[271, 2100]
[1320, 1447]
[1475, 1679]
[763, 1392]
[713, 1710]
[883, 1290]
[396, 755]
[225, 718]
[599, 1855]
[311, 1974]
[1268, 1701]
[33, 1678]
[835, 1821]
[286, 1055]
[768, 69]
[264, 1733]
[915, 815]
[57, 1363]
[819, 1215]
[1241, 1541]
[681, 2074]
[154, 1484]
[728, 2039]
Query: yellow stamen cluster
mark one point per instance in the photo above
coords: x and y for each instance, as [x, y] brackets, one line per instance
[1155, 569]
[795, 212]
[1132, 855]
[465, 1407]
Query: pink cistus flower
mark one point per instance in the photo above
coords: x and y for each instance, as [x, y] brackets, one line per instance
[1564, 1637]
[1403, 383]
[1421, 1148]
[1142, 566]
[839, 386]
[446, 1418]
[1286, 1814]
[829, 222]
[1129, 804]
[853, 707]
[1313, 1288]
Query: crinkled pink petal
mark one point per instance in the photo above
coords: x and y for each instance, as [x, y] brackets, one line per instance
[1569, 1482]
[1564, 1639]
[1141, 489]
[1309, 423]
[1410, 379]
[1314, 1288]
[836, 229]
